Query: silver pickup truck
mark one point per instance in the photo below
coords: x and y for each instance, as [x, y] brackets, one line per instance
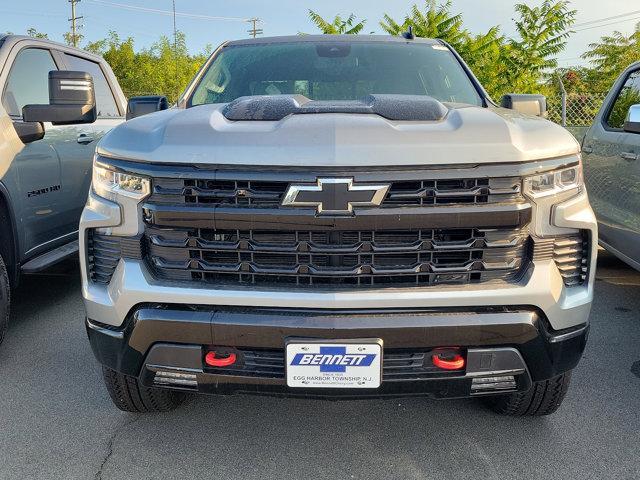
[46, 159]
[341, 216]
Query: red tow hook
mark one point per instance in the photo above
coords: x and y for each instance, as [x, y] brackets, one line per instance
[214, 361]
[448, 360]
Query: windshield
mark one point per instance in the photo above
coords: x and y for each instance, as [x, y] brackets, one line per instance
[335, 71]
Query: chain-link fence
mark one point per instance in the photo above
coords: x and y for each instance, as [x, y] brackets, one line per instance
[574, 111]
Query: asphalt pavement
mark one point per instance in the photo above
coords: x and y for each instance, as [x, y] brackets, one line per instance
[56, 420]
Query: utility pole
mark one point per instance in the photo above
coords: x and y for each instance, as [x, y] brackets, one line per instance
[175, 29]
[175, 49]
[255, 31]
[74, 28]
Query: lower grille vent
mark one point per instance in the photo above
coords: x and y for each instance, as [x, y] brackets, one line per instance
[407, 365]
[103, 254]
[105, 251]
[571, 255]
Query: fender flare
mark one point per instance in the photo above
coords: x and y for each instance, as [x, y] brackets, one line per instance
[13, 229]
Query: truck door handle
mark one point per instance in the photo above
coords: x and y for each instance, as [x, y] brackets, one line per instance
[587, 149]
[84, 139]
[629, 156]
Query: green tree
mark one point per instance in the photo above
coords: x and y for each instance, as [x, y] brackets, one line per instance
[436, 21]
[124, 61]
[610, 56]
[543, 32]
[480, 51]
[163, 68]
[72, 39]
[32, 32]
[338, 25]
[502, 65]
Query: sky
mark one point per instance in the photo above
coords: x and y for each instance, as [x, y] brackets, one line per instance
[285, 17]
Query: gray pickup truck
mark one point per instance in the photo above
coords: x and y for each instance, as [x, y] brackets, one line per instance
[46, 157]
[342, 216]
[611, 150]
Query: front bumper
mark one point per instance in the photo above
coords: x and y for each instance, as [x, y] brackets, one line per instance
[164, 346]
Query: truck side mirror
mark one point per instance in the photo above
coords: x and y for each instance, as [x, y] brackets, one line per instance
[632, 122]
[29, 131]
[529, 104]
[72, 100]
[139, 106]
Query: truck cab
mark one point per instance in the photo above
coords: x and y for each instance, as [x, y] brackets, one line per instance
[45, 168]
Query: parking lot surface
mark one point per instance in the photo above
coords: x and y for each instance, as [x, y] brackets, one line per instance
[56, 420]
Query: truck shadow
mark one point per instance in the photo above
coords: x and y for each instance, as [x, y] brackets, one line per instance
[614, 271]
[37, 292]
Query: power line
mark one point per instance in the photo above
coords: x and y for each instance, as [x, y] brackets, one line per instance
[590, 22]
[606, 24]
[568, 59]
[105, 3]
[29, 14]
[124, 30]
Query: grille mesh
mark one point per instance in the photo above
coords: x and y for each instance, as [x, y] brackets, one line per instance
[374, 258]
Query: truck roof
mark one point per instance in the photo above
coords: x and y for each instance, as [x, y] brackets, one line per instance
[13, 39]
[332, 38]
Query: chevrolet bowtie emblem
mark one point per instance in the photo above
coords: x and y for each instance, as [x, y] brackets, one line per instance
[335, 196]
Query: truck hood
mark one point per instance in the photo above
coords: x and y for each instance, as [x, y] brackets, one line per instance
[467, 135]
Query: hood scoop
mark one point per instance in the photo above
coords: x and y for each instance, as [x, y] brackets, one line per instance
[391, 107]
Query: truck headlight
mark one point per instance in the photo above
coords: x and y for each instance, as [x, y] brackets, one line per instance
[557, 181]
[111, 184]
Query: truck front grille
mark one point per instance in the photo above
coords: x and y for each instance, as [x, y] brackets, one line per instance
[220, 225]
[269, 194]
[369, 258]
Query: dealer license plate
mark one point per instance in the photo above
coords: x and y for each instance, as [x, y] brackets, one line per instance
[334, 364]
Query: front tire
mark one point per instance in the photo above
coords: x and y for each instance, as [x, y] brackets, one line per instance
[5, 299]
[543, 398]
[129, 395]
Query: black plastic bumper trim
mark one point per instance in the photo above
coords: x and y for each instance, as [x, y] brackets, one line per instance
[223, 218]
[526, 330]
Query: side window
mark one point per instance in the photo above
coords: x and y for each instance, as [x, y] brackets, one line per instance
[629, 95]
[105, 102]
[28, 80]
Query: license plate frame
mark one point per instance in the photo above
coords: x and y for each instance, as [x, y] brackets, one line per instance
[334, 364]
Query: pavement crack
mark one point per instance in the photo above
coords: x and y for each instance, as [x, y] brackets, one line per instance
[112, 438]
